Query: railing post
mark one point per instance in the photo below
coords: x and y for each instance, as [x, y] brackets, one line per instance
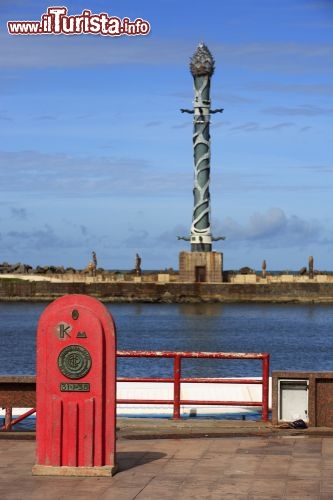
[265, 386]
[8, 418]
[176, 386]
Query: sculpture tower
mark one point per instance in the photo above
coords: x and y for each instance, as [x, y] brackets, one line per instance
[201, 264]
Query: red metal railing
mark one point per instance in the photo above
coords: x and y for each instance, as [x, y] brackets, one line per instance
[9, 422]
[177, 380]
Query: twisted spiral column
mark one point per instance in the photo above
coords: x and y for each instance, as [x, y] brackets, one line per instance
[202, 68]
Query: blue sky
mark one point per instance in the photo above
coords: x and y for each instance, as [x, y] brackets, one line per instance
[95, 154]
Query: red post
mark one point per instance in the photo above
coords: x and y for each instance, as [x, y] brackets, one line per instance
[176, 386]
[265, 386]
[8, 418]
[76, 389]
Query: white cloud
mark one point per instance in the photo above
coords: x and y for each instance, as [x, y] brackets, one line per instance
[19, 213]
[88, 50]
[274, 229]
[301, 110]
[320, 89]
[64, 174]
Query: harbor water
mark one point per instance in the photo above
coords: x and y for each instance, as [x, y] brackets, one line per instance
[297, 337]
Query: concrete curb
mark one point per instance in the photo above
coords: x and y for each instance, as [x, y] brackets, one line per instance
[158, 428]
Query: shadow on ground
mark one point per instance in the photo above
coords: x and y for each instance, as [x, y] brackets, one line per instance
[127, 460]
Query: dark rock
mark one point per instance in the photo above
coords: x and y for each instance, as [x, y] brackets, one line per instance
[246, 270]
[70, 270]
[40, 270]
[21, 269]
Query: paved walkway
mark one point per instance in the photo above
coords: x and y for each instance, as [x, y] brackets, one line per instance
[275, 465]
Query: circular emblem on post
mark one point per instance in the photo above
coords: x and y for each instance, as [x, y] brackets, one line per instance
[74, 361]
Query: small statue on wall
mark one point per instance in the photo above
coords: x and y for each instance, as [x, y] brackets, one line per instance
[92, 266]
[263, 268]
[138, 265]
[94, 259]
[311, 267]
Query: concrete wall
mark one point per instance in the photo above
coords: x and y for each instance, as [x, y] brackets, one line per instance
[281, 278]
[315, 292]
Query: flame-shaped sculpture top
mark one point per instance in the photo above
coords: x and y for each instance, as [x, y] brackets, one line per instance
[202, 62]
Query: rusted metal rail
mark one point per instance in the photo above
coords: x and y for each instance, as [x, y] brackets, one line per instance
[19, 392]
[9, 422]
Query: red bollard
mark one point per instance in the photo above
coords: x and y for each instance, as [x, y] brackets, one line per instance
[76, 389]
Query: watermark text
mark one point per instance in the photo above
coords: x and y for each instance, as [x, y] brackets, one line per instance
[56, 22]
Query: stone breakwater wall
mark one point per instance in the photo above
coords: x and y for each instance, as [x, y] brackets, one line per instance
[312, 292]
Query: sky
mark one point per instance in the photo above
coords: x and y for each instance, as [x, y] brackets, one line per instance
[96, 155]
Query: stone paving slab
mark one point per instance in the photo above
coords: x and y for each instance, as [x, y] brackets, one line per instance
[254, 467]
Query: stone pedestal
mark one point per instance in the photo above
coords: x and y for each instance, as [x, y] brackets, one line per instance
[200, 267]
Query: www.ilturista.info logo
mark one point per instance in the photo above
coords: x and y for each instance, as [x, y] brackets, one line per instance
[56, 22]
